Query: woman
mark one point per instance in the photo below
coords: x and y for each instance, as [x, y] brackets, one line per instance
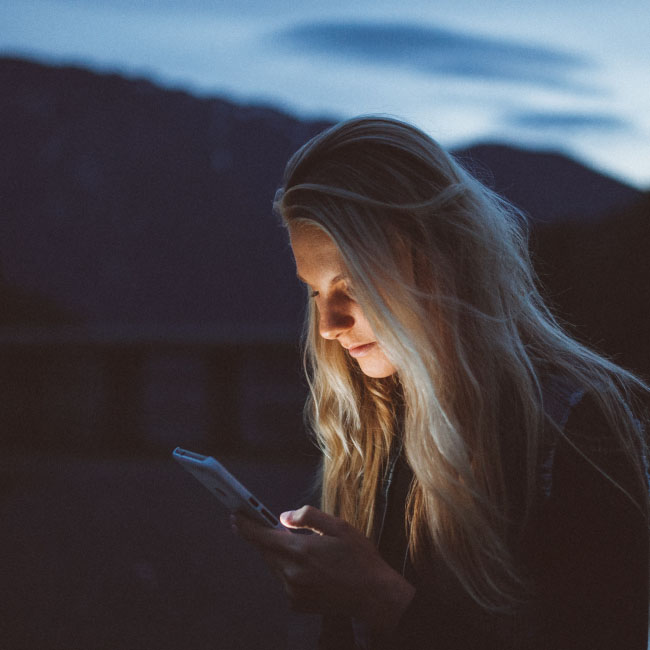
[483, 477]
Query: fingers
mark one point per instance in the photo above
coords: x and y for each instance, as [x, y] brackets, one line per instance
[285, 555]
[270, 539]
[315, 520]
[295, 582]
[302, 593]
[276, 564]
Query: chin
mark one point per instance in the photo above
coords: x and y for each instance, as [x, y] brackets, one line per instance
[377, 369]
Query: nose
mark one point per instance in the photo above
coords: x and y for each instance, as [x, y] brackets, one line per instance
[334, 319]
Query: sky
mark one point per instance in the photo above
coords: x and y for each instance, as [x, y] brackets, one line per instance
[563, 75]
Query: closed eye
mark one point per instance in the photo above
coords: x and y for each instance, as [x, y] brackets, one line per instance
[341, 278]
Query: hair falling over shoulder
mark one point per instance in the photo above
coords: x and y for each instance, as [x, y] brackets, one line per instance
[441, 269]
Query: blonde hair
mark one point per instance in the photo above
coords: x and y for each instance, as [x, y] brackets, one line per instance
[440, 266]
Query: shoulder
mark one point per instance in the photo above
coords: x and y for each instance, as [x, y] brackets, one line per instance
[560, 396]
[587, 452]
[589, 429]
[587, 542]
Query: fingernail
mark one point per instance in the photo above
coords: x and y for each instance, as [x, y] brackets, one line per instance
[287, 516]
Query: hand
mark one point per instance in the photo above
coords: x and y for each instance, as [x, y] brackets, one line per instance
[336, 569]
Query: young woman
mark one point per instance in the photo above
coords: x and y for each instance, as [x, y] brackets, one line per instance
[484, 480]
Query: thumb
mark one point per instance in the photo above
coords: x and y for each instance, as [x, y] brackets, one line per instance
[315, 520]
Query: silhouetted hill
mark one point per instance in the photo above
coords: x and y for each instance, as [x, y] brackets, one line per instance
[549, 186]
[128, 204]
[598, 276]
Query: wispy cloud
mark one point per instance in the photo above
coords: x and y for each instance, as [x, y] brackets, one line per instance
[437, 51]
[568, 121]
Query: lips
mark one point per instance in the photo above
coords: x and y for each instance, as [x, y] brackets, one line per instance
[361, 350]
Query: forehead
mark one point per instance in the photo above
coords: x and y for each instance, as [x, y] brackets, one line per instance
[315, 252]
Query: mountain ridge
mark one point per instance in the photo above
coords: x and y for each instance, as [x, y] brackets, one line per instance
[579, 192]
[127, 203]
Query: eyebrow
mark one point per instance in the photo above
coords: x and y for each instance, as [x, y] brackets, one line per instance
[334, 280]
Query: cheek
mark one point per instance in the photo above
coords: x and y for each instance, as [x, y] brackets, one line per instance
[361, 325]
[376, 365]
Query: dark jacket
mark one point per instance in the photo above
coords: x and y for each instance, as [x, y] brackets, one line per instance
[584, 548]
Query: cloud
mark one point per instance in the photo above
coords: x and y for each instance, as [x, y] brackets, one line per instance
[436, 51]
[568, 121]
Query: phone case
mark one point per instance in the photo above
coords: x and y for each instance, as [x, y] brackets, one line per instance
[216, 478]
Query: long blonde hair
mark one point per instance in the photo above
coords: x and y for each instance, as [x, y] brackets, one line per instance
[440, 266]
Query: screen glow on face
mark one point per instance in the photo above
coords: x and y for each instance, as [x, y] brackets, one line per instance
[340, 317]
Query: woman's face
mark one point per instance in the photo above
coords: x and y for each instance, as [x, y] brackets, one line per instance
[319, 265]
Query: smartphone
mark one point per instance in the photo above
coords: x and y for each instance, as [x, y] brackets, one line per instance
[225, 486]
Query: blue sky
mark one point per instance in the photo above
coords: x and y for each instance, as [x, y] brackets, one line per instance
[569, 76]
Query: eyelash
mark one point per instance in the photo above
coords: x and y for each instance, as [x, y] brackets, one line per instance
[348, 292]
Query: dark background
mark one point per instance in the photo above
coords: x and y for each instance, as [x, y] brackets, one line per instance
[148, 300]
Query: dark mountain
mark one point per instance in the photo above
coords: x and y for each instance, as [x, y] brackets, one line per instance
[549, 186]
[131, 205]
[136, 231]
[598, 278]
